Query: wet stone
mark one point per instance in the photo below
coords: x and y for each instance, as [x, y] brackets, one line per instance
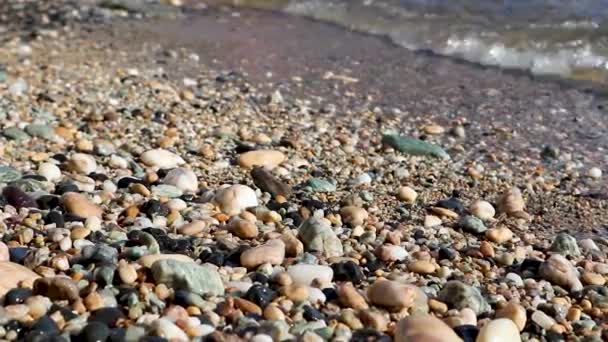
[260, 294]
[17, 296]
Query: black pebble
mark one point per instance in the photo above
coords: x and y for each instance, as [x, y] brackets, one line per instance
[154, 208]
[18, 254]
[312, 314]
[373, 265]
[18, 198]
[107, 316]
[99, 177]
[260, 278]
[125, 182]
[46, 202]
[260, 294]
[330, 294]
[55, 217]
[467, 332]
[73, 218]
[530, 265]
[348, 271]
[117, 335]
[446, 253]
[35, 177]
[213, 257]
[47, 325]
[60, 157]
[95, 332]
[17, 296]
[296, 217]
[65, 187]
[453, 204]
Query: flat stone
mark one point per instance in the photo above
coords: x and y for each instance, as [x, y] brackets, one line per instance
[161, 158]
[266, 158]
[321, 185]
[414, 146]
[392, 294]
[148, 260]
[269, 183]
[12, 274]
[189, 276]
[272, 252]
[79, 205]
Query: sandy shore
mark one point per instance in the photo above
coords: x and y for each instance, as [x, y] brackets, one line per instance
[127, 143]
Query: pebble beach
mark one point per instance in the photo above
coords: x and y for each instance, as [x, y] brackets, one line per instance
[157, 192]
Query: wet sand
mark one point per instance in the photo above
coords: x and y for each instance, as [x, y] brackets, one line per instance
[511, 112]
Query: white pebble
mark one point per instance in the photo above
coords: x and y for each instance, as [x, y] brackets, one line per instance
[595, 173]
[49, 171]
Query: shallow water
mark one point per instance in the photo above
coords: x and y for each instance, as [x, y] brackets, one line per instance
[567, 38]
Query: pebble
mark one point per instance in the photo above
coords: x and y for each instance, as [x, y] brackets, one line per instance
[187, 276]
[266, 158]
[565, 245]
[264, 180]
[354, 216]
[127, 272]
[305, 274]
[321, 185]
[424, 328]
[595, 173]
[49, 171]
[235, 198]
[391, 294]
[391, 253]
[407, 194]
[350, 297]
[558, 270]
[18, 198]
[515, 312]
[82, 163]
[298, 293]
[414, 146]
[183, 179]
[459, 295]
[499, 330]
[79, 205]
[161, 159]
[12, 274]
[193, 228]
[57, 288]
[472, 224]
[167, 329]
[482, 210]
[542, 320]
[148, 260]
[318, 236]
[421, 267]
[511, 201]
[432, 221]
[499, 235]
[244, 229]
[272, 252]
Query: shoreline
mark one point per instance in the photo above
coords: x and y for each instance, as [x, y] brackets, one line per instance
[398, 190]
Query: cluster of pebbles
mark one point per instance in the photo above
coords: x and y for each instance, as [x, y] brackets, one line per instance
[136, 207]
